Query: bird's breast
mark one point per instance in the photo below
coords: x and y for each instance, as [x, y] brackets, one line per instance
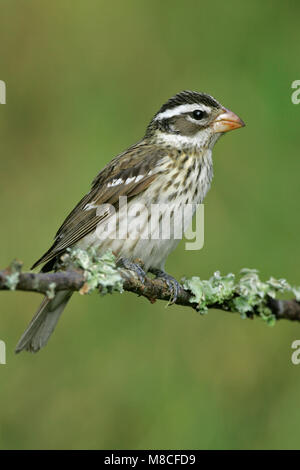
[184, 180]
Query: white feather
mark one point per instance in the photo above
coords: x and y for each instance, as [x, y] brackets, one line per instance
[90, 206]
[115, 182]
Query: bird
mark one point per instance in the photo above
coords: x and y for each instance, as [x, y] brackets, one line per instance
[170, 166]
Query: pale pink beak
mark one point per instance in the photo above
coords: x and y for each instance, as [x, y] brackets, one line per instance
[226, 121]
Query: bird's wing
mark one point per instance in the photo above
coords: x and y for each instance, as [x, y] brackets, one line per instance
[128, 174]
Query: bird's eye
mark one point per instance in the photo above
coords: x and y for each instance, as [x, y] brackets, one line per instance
[198, 114]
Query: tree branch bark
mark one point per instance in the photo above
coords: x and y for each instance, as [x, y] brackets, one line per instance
[152, 289]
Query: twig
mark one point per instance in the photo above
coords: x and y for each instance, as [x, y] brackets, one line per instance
[153, 289]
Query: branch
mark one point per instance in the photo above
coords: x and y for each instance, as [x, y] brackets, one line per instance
[84, 272]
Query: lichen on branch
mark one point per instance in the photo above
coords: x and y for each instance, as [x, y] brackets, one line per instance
[246, 294]
[100, 272]
[85, 271]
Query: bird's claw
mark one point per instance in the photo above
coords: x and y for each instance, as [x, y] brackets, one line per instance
[135, 267]
[173, 285]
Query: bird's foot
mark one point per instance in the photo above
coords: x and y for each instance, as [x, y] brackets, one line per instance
[171, 282]
[132, 266]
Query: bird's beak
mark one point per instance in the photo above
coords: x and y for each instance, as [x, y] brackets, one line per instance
[226, 121]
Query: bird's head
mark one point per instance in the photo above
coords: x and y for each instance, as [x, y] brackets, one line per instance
[191, 120]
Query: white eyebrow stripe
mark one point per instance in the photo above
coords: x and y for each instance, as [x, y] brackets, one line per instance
[183, 108]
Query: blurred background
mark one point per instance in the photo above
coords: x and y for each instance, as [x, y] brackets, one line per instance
[83, 80]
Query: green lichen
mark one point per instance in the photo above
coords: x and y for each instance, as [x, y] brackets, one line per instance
[247, 294]
[296, 292]
[51, 291]
[12, 279]
[99, 271]
[216, 290]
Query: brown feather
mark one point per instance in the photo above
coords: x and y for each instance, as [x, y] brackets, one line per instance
[136, 161]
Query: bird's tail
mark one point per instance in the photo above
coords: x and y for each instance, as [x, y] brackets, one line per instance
[43, 323]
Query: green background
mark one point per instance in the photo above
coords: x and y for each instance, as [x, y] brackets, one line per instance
[83, 80]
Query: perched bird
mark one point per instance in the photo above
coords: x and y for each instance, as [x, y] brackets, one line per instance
[171, 166]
